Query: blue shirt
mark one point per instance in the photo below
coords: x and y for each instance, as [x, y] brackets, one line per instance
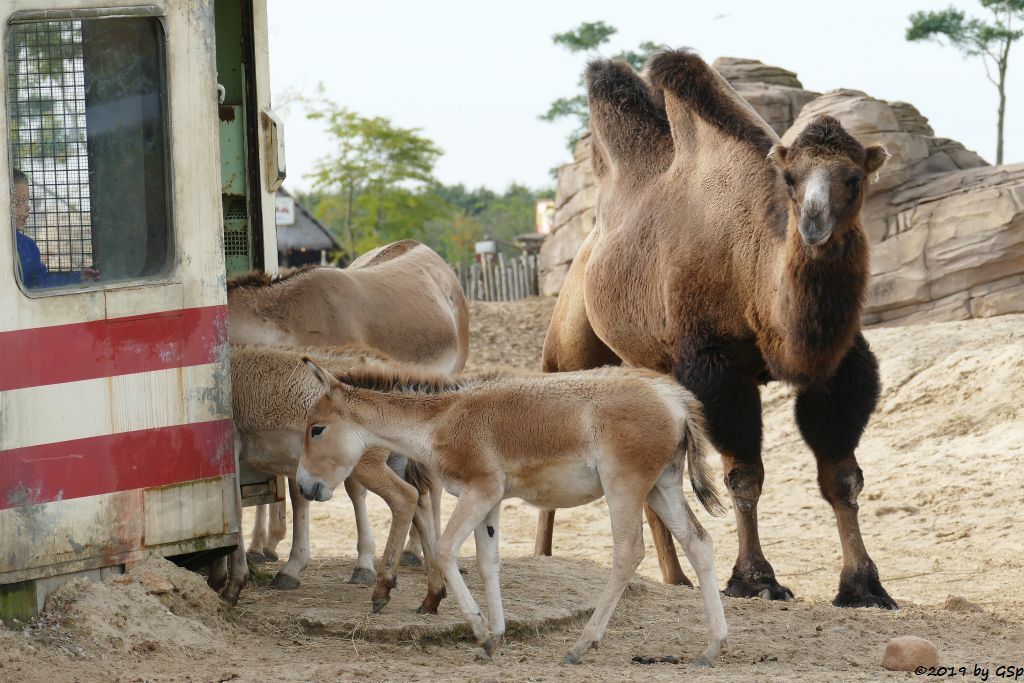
[34, 272]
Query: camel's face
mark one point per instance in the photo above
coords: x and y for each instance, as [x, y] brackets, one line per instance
[824, 193]
[826, 171]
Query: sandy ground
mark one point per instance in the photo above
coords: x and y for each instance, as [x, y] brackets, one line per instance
[941, 515]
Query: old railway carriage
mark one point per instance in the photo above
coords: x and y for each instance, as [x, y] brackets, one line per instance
[141, 157]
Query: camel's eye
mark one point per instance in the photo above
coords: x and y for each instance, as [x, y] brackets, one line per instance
[788, 177]
[853, 184]
[316, 430]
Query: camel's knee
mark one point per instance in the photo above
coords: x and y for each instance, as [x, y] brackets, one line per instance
[744, 486]
[841, 484]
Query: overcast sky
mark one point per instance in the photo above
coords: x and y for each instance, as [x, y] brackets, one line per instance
[474, 74]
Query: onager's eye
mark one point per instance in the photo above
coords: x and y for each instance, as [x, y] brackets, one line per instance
[316, 430]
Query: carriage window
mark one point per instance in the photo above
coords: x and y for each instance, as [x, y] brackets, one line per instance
[89, 182]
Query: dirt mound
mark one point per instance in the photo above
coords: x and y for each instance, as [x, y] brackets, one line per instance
[156, 605]
[509, 334]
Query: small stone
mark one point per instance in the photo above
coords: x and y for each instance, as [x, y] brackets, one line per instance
[154, 583]
[907, 653]
[839, 629]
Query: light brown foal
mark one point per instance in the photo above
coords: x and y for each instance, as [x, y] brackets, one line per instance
[552, 440]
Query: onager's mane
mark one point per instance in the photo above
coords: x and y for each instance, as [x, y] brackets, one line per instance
[399, 380]
[257, 279]
[825, 136]
[691, 79]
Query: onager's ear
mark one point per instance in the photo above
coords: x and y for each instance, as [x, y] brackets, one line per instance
[777, 155]
[874, 157]
[326, 381]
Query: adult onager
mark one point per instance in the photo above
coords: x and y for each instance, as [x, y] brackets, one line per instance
[271, 395]
[728, 260]
[551, 440]
[401, 300]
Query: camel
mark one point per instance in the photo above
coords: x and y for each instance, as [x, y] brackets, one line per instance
[401, 299]
[551, 440]
[729, 260]
[271, 394]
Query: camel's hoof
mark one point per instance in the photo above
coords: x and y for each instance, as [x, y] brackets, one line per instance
[571, 658]
[863, 589]
[362, 575]
[410, 559]
[764, 587]
[283, 582]
[256, 558]
[379, 604]
[271, 555]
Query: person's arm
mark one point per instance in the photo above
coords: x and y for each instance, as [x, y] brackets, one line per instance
[34, 272]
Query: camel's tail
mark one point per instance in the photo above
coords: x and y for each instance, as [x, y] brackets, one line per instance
[697, 447]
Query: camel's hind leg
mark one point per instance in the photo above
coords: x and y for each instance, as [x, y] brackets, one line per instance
[570, 344]
[625, 501]
[366, 548]
[667, 501]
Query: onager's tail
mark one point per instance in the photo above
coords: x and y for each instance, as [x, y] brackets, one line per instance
[695, 442]
[419, 476]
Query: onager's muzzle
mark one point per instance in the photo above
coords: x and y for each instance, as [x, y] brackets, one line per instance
[312, 488]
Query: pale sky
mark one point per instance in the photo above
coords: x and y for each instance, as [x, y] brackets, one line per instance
[475, 74]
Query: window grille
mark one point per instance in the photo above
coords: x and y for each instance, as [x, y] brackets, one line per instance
[46, 97]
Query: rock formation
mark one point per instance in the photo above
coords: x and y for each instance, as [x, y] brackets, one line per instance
[947, 229]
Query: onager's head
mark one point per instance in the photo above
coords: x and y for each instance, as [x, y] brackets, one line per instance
[332, 445]
[826, 171]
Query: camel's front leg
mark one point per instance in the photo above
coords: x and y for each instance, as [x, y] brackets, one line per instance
[732, 408]
[832, 417]
[288, 576]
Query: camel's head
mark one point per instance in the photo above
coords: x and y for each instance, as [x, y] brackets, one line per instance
[826, 171]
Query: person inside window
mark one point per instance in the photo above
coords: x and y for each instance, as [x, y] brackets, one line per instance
[34, 272]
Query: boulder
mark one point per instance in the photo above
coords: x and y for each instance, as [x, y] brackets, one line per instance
[907, 653]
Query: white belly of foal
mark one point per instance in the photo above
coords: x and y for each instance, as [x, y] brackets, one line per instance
[560, 485]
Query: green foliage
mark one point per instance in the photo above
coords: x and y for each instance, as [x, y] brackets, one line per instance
[587, 38]
[977, 38]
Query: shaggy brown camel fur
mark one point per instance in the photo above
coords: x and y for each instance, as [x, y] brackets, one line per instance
[551, 440]
[730, 261]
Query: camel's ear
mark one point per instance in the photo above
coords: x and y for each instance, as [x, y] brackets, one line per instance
[874, 157]
[327, 382]
[777, 155]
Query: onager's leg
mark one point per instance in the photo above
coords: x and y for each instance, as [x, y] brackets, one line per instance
[570, 344]
[668, 560]
[277, 524]
[401, 497]
[413, 549]
[366, 548]
[489, 562]
[288, 576]
[832, 418]
[423, 520]
[732, 407]
[669, 504]
[625, 501]
[218, 573]
[259, 535]
[472, 508]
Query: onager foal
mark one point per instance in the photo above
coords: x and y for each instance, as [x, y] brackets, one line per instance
[552, 440]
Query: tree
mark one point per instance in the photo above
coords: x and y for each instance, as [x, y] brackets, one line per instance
[587, 38]
[977, 38]
[377, 169]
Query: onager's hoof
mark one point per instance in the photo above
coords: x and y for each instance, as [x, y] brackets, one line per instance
[430, 603]
[410, 559]
[379, 604]
[283, 582]
[256, 558]
[705, 663]
[483, 656]
[230, 595]
[571, 658]
[362, 575]
[271, 555]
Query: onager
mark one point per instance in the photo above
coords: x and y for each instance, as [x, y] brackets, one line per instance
[401, 299]
[551, 440]
[271, 394]
[728, 260]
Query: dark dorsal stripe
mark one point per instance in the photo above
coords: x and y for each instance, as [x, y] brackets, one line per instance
[255, 279]
[695, 82]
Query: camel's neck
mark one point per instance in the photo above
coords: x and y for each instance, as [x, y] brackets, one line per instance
[818, 302]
